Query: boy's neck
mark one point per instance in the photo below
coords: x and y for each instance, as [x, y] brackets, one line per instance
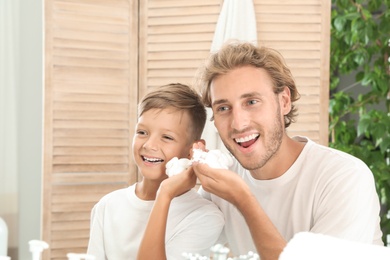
[145, 190]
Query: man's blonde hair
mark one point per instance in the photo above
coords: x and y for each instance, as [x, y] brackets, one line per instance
[235, 55]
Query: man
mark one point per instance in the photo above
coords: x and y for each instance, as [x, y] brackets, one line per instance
[279, 185]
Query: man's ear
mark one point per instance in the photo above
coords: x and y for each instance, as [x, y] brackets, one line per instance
[285, 101]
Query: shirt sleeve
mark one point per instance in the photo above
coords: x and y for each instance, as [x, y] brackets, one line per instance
[96, 241]
[197, 236]
[204, 193]
[348, 206]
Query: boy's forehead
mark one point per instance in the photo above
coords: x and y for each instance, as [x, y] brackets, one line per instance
[167, 116]
[155, 112]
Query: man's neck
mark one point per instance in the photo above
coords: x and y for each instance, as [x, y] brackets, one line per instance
[281, 161]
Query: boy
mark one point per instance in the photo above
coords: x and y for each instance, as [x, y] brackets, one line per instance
[171, 118]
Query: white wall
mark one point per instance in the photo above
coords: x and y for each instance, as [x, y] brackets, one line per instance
[9, 18]
[21, 121]
[30, 103]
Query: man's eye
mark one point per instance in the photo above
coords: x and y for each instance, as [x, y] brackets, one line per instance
[252, 102]
[222, 108]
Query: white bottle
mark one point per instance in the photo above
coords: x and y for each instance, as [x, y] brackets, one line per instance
[36, 248]
[73, 256]
[3, 238]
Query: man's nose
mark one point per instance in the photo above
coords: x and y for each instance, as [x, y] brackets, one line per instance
[240, 119]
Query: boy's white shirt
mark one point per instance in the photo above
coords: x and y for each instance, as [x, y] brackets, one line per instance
[119, 219]
[325, 191]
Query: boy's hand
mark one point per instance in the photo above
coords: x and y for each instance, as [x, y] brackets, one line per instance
[178, 184]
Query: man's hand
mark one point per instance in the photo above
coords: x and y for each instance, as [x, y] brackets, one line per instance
[223, 183]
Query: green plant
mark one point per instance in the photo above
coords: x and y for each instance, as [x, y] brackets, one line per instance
[359, 123]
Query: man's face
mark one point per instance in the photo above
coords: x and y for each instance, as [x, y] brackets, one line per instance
[249, 115]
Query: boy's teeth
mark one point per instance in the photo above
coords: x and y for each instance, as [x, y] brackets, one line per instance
[152, 159]
[246, 138]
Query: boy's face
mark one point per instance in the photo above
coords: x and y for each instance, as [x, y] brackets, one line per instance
[159, 136]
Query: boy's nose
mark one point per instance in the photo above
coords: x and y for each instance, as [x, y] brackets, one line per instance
[151, 144]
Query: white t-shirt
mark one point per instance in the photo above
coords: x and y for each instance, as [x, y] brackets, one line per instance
[119, 219]
[325, 191]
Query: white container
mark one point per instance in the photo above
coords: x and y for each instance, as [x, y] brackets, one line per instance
[36, 248]
[3, 238]
[74, 256]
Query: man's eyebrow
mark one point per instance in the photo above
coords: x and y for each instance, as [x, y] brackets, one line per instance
[219, 101]
[251, 94]
[245, 95]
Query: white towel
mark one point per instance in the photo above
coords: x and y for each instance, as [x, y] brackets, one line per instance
[236, 21]
[309, 246]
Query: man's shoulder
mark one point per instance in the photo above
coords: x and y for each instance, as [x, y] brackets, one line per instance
[331, 156]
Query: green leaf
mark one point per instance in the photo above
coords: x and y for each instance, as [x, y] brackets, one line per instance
[367, 14]
[367, 79]
[363, 125]
[359, 76]
[384, 145]
[360, 31]
[359, 58]
[339, 23]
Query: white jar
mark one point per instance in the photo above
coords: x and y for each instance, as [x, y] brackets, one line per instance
[3, 238]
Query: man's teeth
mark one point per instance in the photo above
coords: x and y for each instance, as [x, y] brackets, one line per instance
[246, 138]
[152, 159]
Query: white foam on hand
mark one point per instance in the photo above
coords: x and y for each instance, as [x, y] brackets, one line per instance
[176, 166]
[213, 158]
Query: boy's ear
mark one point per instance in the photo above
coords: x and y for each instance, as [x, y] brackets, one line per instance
[197, 141]
[202, 141]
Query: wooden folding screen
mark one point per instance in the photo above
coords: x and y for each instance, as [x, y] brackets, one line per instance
[90, 107]
[102, 55]
[300, 30]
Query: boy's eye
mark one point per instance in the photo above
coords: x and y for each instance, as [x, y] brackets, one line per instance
[141, 132]
[168, 137]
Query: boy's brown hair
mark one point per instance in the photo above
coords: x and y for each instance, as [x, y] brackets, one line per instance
[180, 97]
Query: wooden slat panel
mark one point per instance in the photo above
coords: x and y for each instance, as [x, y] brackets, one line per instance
[81, 189]
[304, 8]
[297, 30]
[62, 216]
[65, 168]
[91, 103]
[70, 235]
[96, 150]
[286, 18]
[178, 3]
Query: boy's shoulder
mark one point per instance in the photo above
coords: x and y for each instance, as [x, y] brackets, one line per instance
[116, 195]
[192, 200]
